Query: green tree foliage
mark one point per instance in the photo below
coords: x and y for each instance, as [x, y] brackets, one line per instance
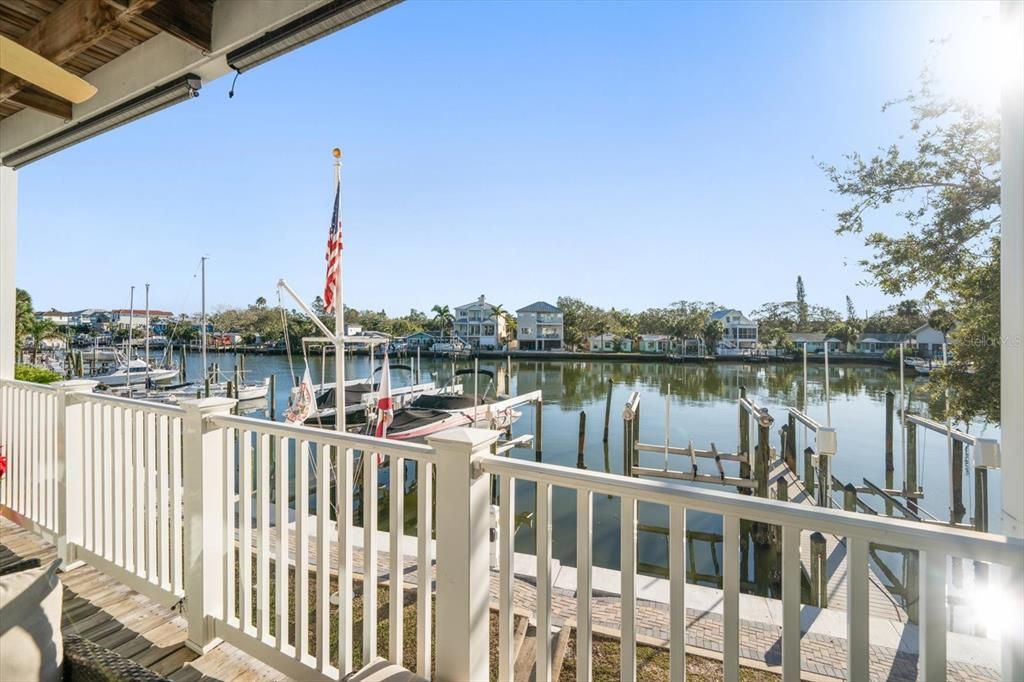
[714, 330]
[801, 302]
[851, 311]
[37, 375]
[902, 318]
[944, 186]
[40, 330]
[444, 318]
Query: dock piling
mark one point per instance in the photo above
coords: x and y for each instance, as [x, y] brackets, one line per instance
[582, 440]
[539, 436]
[608, 410]
[744, 448]
[957, 509]
[890, 400]
[850, 497]
[910, 482]
[809, 470]
[819, 574]
[271, 392]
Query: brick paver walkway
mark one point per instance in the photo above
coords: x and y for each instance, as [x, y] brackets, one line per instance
[759, 641]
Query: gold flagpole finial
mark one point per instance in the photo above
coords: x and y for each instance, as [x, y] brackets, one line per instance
[336, 153]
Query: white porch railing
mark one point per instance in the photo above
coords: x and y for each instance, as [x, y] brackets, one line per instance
[176, 501]
[28, 427]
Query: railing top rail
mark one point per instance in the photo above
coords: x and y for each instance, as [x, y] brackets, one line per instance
[131, 403]
[896, 532]
[939, 427]
[805, 420]
[756, 411]
[632, 405]
[353, 441]
[29, 385]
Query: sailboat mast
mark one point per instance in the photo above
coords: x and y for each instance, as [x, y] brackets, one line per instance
[147, 334]
[339, 315]
[202, 333]
[128, 351]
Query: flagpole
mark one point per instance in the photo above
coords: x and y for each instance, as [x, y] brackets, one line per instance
[339, 315]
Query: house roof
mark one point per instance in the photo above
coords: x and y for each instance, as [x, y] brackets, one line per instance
[141, 312]
[653, 337]
[882, 337]
[809, 337]
[539, 307]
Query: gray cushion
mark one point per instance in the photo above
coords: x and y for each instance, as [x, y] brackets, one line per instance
[382, 671]
[31, 646]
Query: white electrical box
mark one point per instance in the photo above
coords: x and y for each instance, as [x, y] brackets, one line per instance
[825, 439]
[986, 453]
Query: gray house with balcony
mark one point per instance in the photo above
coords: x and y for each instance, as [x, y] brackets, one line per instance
[539, 326]
[740, 331]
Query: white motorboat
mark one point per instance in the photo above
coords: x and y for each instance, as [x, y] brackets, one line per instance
[135, 372]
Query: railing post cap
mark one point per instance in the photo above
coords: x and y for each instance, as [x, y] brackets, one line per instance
[209, 405]
[75, 385]
[467, 439]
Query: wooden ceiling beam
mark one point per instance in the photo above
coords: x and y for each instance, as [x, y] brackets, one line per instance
[40, 100]
[71, 29]
[187, 20]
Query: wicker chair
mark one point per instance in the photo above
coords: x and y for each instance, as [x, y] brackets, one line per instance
[85, 661]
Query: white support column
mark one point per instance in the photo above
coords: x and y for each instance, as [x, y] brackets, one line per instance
[70, 469]
[1012, 268]
[1011, 317]
[202, 457]
[463, 573]
[8, 247]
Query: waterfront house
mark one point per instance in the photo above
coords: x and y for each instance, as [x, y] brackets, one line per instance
[424, 339]
[877, 343]
[610, 343]
[815, 342]
[124, 317]
[928, 341]
[477, 324]
[740, 331]
[58, 317]
[539, 326]
[655, 343]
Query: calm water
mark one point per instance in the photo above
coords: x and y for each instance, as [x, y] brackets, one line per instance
[702, 399]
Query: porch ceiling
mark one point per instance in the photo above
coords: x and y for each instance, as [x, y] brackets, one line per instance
[126, 48]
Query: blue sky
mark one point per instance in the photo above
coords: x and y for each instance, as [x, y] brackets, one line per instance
[630, 154]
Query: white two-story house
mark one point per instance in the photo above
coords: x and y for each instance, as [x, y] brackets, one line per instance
[740, 331]
[477, 324]
[540, 327]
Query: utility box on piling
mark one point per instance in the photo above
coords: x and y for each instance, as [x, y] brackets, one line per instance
[825, 439]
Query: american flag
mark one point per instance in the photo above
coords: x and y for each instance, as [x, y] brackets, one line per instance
[385, 409]
[333, 253]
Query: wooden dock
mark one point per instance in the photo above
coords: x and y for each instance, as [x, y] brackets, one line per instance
[106, 612]
[882, 603]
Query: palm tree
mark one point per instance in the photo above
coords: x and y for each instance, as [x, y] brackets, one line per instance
[497, 311]
[40, 330]
[714, 330]
[443, 315]
[261, 302]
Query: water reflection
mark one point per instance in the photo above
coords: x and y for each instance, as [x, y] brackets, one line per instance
[703, 409]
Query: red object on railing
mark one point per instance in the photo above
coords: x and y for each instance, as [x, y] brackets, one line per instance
[3, 462]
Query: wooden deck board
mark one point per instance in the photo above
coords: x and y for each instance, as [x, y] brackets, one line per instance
[105, 611]
[881, 603]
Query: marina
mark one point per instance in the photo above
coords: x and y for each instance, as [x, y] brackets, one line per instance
[522, 478]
